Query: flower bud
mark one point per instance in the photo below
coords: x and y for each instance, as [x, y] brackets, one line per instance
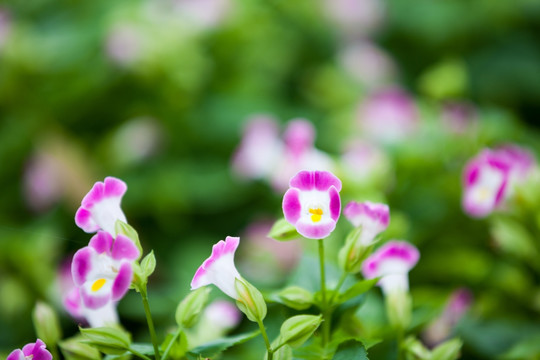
[46, 324]
[188, 311]
[353, 253]
[297, 329]
[296, 297]
[250, 300]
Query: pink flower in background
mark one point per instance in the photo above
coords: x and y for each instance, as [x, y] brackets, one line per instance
[362, 162]
[103, 269]
[260, 149]
[43, 181]
[372, 217]
[392, 262]
[219, 268]
[5, 26]
[205, 13]
[100, 208]
[299, 154]
[137, 140]
[355, 17]
[124, 44]
[441, 328]
[491, 176]
[32, 351]
[368, 64]
[458, 118]
[388, 116]
[222, 314]
[312, 203]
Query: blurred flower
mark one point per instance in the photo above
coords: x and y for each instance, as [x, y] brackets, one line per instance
[299, 154]
[440, 329]
[388, 116]
[43, 182]
[312, 203]
[367, 63]
[458, 117]
[265, 259]
[260, 149]
[219, 268]
[222, 314]
[491, 176]
[124, 44]
[5, 26]
[363, 163]
[204, 13]
[103, 269]
[72, 302]
[355, 17]
[33, 351]
[372, 217]
[137, 140]
[100, 208]
[392, 263]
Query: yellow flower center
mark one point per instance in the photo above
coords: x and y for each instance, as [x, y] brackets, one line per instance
[483, 193]
[98, 284]
[316, 214]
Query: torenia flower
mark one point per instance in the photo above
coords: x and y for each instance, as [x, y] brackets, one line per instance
[392, 263]
[100, 208]
[312, 203]
[103, 270]
[372, 217]
[219, 268]
[491, 177]
[34, 351]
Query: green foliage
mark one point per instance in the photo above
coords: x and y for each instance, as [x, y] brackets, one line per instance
[190, 308]
[351, 349]
[110, 341]
[74, 349]
[282, 230]
[214, 348]
[250, 300]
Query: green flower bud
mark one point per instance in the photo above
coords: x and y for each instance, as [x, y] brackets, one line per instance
[296, 297]
[189, 309]
[250, 300]
[353, 253]
[109, 341]
[46, 324]
[297, 329]
[148, 264]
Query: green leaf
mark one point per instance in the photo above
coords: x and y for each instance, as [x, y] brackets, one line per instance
[351, 349]
[179, 348]
[513, 238]
[528, 348]
[298, 329]
[282, 230]
[143, 348]
[74, 349]
[216, 347]
[148, 264]
[448, 350]
[107, 340]
[189, 309]
[357, 289]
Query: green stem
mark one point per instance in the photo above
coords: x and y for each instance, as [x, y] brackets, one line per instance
[136, 353]
[399, 343]
[150, 322]
[266, 341]
[169, 347]
[326, 323]
[338, 286]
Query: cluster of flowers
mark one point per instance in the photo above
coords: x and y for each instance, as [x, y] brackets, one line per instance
[491, 178]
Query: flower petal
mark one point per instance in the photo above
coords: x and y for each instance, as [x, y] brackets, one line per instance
[124, 248]
[122, 281]
[83, 219]
[315, 231]
[16, 354]
[101, 242]
[81, 265]
[291, 205]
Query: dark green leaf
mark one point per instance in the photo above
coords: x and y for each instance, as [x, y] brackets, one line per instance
[213, 348]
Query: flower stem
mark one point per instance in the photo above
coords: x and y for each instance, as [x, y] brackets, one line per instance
[136, 353]
[266, 341]
[326, 323]
[151, 329]
[399, 344]
[338, 286]
[169, 347]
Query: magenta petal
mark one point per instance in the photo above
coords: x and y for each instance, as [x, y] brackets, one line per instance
[16, 355]
[83, 219]
[101, 242]
[122, 281]
[114, 187]
[124, 248]
[39, 351]
[72, 303]
[318, 231]
[95, 195]
[303, 181]
[324, 180]
[199, 278]
[335, 203]
[93, 301]
[291, 205]
[80, 266]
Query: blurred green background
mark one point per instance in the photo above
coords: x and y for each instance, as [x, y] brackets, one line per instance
[157, 93]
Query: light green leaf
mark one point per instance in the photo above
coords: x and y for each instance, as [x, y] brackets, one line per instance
[448, 350]
[282, 230]
[148, 264]
[357, 289]
[351, 349]
[216, 347]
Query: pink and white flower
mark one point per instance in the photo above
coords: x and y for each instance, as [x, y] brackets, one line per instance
[5, 26]
[491, 177]
[312, 203]
[34, 351]
[103, 270]
[100, 208]
[219, 268]
[372, 217]
[388, 116]
[392, 263]
[222, 315]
